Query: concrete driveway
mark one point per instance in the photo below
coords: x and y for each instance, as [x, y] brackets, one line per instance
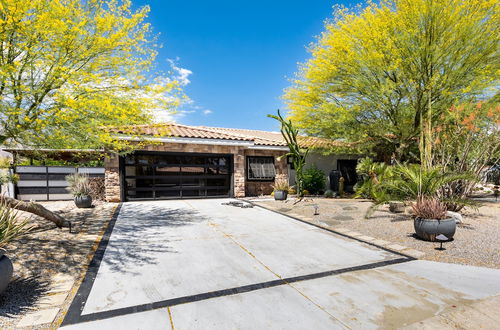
[198, 264]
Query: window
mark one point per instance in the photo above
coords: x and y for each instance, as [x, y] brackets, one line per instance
[260, 168]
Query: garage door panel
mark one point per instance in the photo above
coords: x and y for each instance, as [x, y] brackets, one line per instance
[162, 175]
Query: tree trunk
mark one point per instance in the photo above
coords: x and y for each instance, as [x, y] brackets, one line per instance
[35, 208]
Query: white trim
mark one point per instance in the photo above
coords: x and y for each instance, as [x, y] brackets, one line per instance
[259, 147]
[223, 142]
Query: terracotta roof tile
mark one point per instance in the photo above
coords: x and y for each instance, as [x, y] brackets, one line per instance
[263, 138]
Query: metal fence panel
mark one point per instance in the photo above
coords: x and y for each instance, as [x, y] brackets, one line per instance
[48, 183]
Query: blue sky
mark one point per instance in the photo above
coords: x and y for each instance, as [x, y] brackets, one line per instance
[240, 53]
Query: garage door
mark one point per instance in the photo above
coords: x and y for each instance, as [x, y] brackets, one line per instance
[168, 175]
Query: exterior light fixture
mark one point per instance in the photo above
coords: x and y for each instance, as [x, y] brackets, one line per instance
[441, 238]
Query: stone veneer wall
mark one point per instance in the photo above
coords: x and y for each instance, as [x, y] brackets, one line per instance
[256, 188]
[240, 186]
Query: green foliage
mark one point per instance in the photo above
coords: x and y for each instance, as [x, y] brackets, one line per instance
[467, 140]
[385, 73]
[371, 174]
[70, 68]
[10, 226]
[411, 181]
[290, 133]
[314, 180]
[5, 162]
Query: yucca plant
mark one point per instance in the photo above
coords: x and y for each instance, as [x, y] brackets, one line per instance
[10, 226]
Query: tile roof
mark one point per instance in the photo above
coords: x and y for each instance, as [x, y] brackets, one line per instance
[263, 138]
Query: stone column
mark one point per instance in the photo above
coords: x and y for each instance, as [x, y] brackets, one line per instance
[112, 178]
[239, 173]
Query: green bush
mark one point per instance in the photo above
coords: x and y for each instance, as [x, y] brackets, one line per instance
[314, 180]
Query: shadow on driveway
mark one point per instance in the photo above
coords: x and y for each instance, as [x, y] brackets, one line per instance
[139, 236]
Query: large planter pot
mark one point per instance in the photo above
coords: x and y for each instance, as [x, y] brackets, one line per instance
[280, 195]
[6, 270]
[83, 201]
[396, 207]
[428, 229]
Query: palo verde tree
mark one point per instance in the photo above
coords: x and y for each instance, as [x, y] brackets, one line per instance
[387, 72]
[298, 154]
[71, 68]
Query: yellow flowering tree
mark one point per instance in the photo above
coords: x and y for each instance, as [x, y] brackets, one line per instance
[70, 68]
[386, 73]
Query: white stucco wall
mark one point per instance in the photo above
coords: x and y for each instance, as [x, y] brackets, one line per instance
[326, 163]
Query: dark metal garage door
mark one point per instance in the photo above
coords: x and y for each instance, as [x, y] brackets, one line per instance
[154, 175]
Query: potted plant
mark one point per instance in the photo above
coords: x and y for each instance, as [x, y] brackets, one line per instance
[10, 228]
[397, 207]
[431, 219]
[281, 189]
[79, 186]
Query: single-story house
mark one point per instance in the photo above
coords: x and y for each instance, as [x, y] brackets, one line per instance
[199, 161]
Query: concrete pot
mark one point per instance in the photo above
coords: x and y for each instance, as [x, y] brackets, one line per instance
[280, 195]
[83, 202]
[6, 270]
[396, 207]
[428, 229]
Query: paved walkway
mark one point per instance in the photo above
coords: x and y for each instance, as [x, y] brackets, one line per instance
[198, 264]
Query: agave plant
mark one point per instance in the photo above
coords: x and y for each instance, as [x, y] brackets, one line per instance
[10, 226]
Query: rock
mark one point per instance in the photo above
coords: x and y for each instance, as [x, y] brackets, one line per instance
[454, 215]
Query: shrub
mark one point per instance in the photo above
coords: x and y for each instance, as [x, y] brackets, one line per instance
[314, 180]
[371, 174]
[409, 182]
[78, 184]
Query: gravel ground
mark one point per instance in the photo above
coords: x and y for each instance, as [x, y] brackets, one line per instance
[47, 253]
[476, 241]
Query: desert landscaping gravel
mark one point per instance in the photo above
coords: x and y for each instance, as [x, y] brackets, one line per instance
[49, 260]
[476, 241]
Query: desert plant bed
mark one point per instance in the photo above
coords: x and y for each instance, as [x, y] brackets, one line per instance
[475, 242]
[48, 254]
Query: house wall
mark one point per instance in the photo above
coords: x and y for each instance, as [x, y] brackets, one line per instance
[257, 188]
[241, 187]
[326, 163]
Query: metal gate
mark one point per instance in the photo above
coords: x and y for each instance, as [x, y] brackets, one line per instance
[48, 183]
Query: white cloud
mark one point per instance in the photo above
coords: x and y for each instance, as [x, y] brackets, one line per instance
[180, 74]
[207, 111]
